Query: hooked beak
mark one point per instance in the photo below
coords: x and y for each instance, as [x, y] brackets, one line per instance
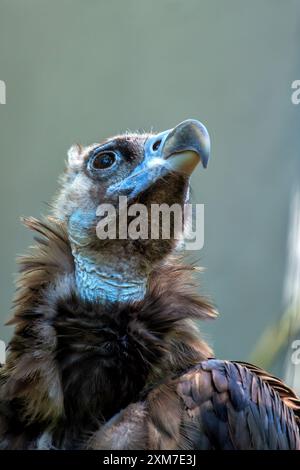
[183, 147]
[176, 150]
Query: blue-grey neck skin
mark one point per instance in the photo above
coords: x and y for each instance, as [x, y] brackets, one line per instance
[96, 284]
[103, 276]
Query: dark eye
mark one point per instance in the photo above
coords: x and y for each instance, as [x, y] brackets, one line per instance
[102, 160]
[156, 145]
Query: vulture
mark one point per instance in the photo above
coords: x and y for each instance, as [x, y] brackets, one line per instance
[106, 352]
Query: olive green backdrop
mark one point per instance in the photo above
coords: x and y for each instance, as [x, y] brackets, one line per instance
[81, 70]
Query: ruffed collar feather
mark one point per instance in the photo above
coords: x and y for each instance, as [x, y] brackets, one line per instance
[31, 388]
[165, 318]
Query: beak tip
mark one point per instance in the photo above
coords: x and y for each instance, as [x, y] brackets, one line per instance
[184, 146]
[206, 148]
[192, 135]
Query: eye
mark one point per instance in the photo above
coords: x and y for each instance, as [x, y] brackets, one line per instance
[102, 160]
[156, 145]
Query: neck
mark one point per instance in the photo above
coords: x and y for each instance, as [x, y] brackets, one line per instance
[107, 279]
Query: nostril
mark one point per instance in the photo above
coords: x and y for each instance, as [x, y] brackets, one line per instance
[156, 145]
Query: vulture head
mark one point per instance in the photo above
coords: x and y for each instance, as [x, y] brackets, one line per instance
[101, 183]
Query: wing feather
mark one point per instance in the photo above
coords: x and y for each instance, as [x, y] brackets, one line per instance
[239, 406]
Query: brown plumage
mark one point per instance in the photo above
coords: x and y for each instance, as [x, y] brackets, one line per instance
[73, 364]
[216, 405]
[106, 352]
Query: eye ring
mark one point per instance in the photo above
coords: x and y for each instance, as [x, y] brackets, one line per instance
[102, 160]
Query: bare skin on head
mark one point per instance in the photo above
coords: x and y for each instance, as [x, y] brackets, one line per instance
[148, 169]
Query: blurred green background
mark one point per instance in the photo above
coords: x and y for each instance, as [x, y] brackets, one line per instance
[79, 71]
